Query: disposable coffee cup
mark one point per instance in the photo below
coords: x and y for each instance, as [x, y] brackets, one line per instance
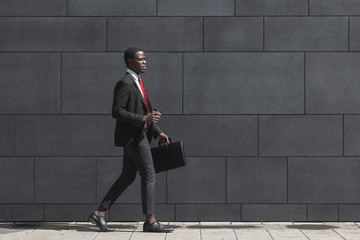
[156, 111]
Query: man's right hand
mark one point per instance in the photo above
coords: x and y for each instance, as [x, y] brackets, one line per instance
[152, 117]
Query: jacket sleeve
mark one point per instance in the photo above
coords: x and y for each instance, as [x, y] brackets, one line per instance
[122, 93]
[156, 130]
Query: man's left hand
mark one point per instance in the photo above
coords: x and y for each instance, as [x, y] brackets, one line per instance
[163, 138]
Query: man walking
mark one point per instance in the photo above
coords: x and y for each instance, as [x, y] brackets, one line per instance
[136, 124]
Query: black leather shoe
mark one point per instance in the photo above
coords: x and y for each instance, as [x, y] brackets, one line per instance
[100, 223]
[156, 227]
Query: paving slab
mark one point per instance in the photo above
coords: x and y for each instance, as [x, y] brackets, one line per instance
[138, 233]
[45, 234]
[253, 234]
[215, 234]
[123, 231]
[183, 230]
[322, 235]
[148, 236]
[20, 234]
[286, 234]
[139, 227]
[80, 233]
[184, 233]
[349, 234]
[114, 236]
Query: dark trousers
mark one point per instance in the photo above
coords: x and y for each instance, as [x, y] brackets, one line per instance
[136, 158]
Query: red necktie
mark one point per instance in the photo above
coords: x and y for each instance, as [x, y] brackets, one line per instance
[145, 98]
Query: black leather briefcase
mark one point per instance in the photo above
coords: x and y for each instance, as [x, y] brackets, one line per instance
[168, 156]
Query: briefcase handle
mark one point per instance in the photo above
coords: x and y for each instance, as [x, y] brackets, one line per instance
[165, 144]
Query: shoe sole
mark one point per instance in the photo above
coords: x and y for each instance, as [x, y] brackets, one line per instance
[157, 231]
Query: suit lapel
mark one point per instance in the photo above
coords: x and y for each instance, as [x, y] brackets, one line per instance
[136, 86]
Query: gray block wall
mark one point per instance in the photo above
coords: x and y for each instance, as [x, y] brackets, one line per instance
[264, 94]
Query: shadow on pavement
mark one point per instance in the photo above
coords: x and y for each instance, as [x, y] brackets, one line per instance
[221, 226]
[311, 227]
[61, 226]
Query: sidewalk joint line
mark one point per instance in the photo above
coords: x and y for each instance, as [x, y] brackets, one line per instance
[338, 234]
[304, 234]
[267, 230]
[96, 235]
[235, 234]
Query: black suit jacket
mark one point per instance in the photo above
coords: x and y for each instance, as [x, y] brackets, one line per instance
[129, 109]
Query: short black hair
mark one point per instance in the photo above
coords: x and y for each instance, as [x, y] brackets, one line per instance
[130, 53]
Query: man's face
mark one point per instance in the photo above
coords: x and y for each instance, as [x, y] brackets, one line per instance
[138, 64]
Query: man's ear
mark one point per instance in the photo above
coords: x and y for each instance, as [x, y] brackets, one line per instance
[130, 62]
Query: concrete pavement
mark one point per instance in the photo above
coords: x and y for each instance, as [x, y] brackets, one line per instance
[183, 231]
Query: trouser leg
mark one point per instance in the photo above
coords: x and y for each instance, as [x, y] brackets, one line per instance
[126, 178]
[142, 158]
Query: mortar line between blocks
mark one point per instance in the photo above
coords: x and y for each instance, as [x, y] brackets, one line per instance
[258, 153]
[263, 33]
[307, 212]
[14, 134]
[157, 8]
[226, 177]
[182, 83]
[106, 34]
[348, 33]
[182, 16]
[33, 158]
[203, 34]
[235, 8]
[61, 77]
[343, 125]
[96, 179]
[241, 212]
[287, 180]
[305, 83]
[175, 212]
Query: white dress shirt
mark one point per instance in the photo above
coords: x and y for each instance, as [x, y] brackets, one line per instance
[136, 77]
